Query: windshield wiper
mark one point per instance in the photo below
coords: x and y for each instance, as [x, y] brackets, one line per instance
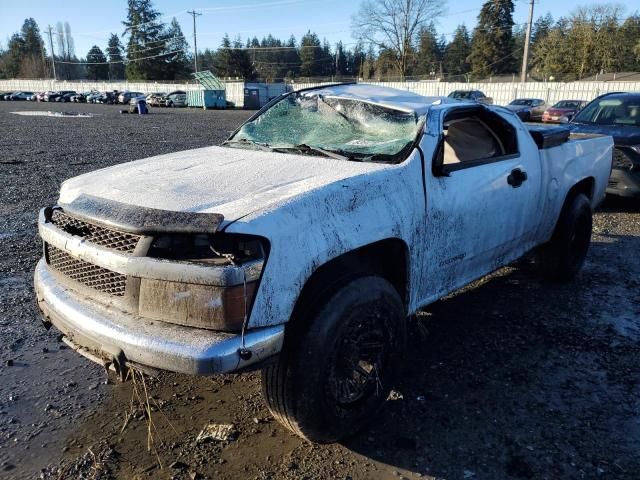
[304, 148]
[247, 142]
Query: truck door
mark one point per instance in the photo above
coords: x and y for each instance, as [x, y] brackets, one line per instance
[482, 195]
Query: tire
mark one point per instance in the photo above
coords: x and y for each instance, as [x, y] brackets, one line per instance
[336, 371]
[562, 257]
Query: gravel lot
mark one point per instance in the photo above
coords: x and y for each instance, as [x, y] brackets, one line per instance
[508, 378]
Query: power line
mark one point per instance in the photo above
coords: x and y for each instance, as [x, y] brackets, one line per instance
[125, 60]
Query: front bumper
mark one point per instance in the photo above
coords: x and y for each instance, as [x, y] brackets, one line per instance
[624, 183]
[110, 335]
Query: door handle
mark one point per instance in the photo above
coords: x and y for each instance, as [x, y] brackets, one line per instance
[517, 178]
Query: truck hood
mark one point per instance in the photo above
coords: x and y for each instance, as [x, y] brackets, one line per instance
[622, 134]
[229, 181]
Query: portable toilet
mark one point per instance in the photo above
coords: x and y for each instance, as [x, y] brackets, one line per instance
[211, 93]
[252, 98]
[257, 95]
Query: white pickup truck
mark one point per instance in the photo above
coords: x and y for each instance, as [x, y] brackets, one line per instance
[305, 243]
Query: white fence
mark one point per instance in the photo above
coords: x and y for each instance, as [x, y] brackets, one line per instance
[502, 93]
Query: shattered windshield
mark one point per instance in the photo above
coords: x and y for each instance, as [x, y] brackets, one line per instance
[333, 127]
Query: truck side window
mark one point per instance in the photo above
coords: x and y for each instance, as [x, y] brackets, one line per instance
[477, 136]
[468, 139]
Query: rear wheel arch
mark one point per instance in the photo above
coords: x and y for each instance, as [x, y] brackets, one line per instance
[585, 186]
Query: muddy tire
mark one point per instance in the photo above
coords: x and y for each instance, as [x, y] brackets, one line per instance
[561, 258]
[335, 374]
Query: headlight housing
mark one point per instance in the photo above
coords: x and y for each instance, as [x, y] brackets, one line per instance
[223, 306]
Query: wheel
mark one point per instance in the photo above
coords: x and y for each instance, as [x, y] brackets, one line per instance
[336, 372]
[170, 105]
[561, 258]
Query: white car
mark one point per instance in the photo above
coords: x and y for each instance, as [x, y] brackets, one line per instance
[174, 99]
[305, 243]
[126, 97]
[20, 96]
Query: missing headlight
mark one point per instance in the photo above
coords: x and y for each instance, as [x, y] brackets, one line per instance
[214, 249]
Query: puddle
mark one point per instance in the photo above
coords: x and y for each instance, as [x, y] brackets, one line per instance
[57, 114]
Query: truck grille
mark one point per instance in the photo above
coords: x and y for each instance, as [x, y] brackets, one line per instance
[621, 159]
[105, 237]
[86, 273]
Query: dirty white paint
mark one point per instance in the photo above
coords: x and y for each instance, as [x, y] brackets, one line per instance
[313, 209]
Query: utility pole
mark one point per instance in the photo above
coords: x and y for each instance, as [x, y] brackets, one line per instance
[527, 40]
[53, 57]
[195, 14]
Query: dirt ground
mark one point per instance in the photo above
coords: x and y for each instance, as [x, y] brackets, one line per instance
[508, 378]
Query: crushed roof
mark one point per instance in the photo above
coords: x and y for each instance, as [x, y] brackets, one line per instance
[384, 96]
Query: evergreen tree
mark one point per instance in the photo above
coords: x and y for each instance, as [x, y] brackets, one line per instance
[232, 60]
[115, 55]
[492, 44]
[541, 28]
[24, 57]
[292, 58]
[550, 53]
[310, 54]
[12, 59]
[456, 54]
[428, 55]
[629, 43]
[146, 43]
[177, 59]
[97, 68]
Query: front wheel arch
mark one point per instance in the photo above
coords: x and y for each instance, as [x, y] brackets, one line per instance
[387, 258]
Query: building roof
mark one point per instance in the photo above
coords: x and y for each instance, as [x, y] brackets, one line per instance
[393, 98]
[614, 77]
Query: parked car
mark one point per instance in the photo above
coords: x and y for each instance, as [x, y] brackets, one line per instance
[40, 97]
[66, 97]
[471, 96]
[81, 97]
[5, 95]
[301, 246]
[528, 109]
[20, 96]
[563, 111]
[618, 115]
[34, 97]
[154, 99]
[126, 97]
[54, 96]
[175, 99]
[109, 98]
[93, 97]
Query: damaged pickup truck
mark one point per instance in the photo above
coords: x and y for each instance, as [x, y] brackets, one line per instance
[304, 244]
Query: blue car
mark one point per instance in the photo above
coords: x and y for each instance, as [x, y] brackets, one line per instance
[618, 115]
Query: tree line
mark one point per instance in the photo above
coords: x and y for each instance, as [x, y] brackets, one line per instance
[395, 39]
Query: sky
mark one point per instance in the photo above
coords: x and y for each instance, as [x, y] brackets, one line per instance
[330, 19]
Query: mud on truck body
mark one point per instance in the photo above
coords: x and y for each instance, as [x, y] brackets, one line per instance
[304, 244]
